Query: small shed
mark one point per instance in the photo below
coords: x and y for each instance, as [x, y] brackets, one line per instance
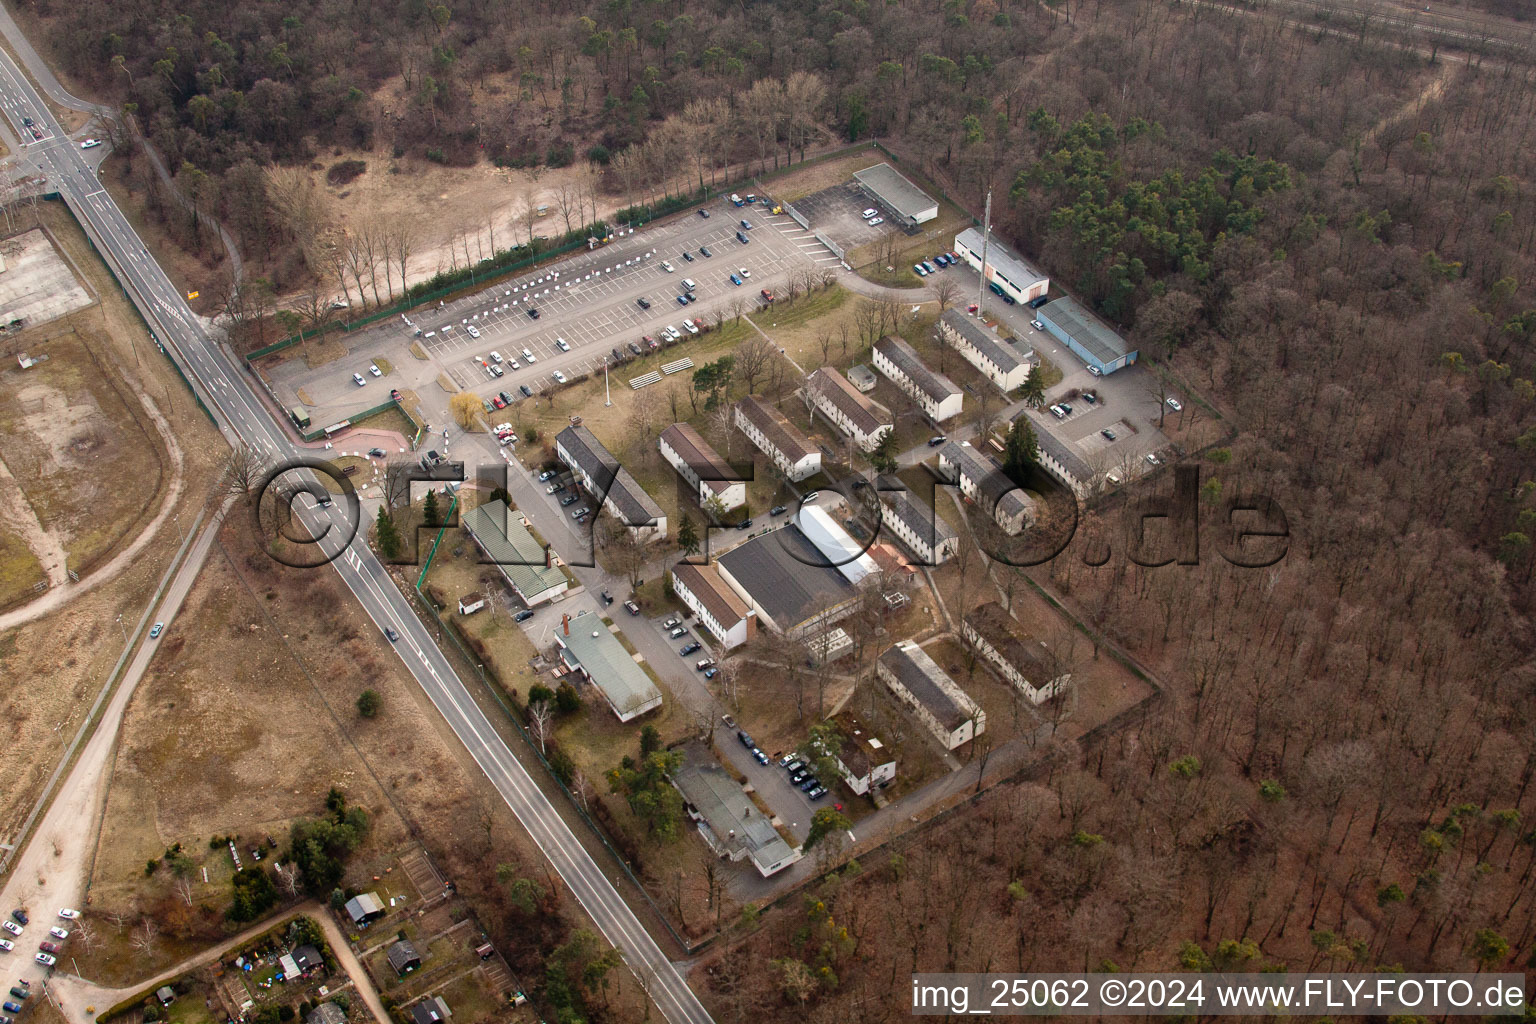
[308, 959]
[166, 995]
[326, 1013]
[862, 377]
[471, 603]
[364, 908]
[431, 1011]
[403, 957]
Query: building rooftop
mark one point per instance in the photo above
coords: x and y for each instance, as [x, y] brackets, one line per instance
[587, 640]
[635, 506]
[430, 1011]
[895, 190]
[788, 577]
[995, 349]
[508, 543]
[1063, 453]
[862, 750]
[997, 492]
[364, 905]
[916, 515]
[1084, 328]
[775, 426]
[1002, 259]
[730, 815]
[935, 385]
[402, 955]
[861, 376]
[864, 413]
[1004, 633]
[326, 1013]
[929, 685]
[717, 597]
[699, 456]
[844, 553]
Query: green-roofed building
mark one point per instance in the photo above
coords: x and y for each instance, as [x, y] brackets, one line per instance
[589, 647]
[529, 567]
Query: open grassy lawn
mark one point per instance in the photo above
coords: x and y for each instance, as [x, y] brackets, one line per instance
[390, 419]
[19, 568]
[799, 184]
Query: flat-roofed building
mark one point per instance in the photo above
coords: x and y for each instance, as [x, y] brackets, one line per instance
[730, 822]
[995, 358]
[530, 568]
[587, 646]
[861, 418]
[904, 202]
[793, 587]
[1005, 268]
[918, 527]
[981, 478]
[865, 760]
[930, 694]
[1089, 338]
[700, 465]
[861, 377]
[610, 483]
[934, 393]
[791, 452]
[718, 607]
[1018, 657]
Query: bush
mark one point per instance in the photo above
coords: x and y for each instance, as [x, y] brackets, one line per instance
[561, 764]
[567, 699]
[599, 154]
[285, 1012]
[532, 434]
[437, 156]
[345, 171]
[369, 703]
[539, 692]
[560, 155]
[254, 894]
[151, 866]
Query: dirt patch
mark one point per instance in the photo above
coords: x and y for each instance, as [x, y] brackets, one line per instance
[320, 351]
[823, 176]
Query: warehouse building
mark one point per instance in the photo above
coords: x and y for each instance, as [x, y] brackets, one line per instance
[997, 360]
[699, 464]
[790, 451]
[933, 392]
[1005, 270]
[607, 481]
[1089, 338]
[930, 694]
[904, 203]
[792, 587]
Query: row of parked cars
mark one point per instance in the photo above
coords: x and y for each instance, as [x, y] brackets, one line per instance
[47, 954]
[933, 266]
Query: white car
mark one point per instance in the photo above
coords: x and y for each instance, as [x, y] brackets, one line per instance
[58, 933]
[1173, 403]
[560, 377]
[11, 926]
[1153, 460]
[69, 915]
[529, 356]
[744, 272]
[7, 945]
[357, 379]
[90, 143]
[561, 345]
[692, 327]
[1058, 412]
[495, 357]
[373, 368]
[46, 959]
[876, 221]
[870, 213]
[474, 332]
[667, 266]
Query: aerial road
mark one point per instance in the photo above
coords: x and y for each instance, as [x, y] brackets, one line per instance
[224, 388]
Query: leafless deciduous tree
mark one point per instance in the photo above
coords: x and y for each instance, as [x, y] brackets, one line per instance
[244, 467]
[752, 358]
[145, 939]
[539, 719]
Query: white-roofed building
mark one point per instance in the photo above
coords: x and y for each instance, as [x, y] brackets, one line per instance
[845, 554]
[1005, 268]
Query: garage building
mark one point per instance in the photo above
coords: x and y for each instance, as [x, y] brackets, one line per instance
[903, 202]
[1005, 269]
[1086, 335]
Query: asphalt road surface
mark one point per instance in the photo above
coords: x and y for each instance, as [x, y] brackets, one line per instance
[226, 391]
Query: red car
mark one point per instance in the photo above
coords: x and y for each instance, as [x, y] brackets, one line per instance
[48, 947]
[767, 295]
[651, 342]
[498, 402]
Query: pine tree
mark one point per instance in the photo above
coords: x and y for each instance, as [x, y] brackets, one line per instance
[429, 513]
[883, 458]
[688, 536]
[388, 537]
[1033, 389]
[1021, 451]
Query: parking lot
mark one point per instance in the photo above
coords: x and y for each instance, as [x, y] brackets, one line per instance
[838, 213]
[590, 301]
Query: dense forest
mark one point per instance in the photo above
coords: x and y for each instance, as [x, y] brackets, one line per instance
[1328, 234]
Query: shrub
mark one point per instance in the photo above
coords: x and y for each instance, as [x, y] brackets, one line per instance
[369, 703]
[285, 1012]
[345, 171]
[599, 154]
[560, 155]
[437, 156]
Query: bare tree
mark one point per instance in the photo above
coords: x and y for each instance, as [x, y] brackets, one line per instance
[752, 358]
[397, 483]
[85, 934]
[145, 938]
[945, 291]
[539, 719]
[287, 878]
[183, 887]
[244, 467]
[582, 787]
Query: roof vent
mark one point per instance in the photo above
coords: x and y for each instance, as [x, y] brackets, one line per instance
[594, 633]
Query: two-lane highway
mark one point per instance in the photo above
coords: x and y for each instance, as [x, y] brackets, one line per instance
[226, 391]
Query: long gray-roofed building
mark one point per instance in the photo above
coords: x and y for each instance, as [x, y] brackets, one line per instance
[924, 533]
[1007, 270]
[981, 478]
[934, 393]
[528, 566]
[703, 468]
[994, 357]
[587, 646]
[927, 690]
[770, 430]
[610, 483]
[788, 582]
[728, 820]
[904, 202]
[1090, 338]
[1018, 657]
[718, 606]
[861, 418]
[1062, 461]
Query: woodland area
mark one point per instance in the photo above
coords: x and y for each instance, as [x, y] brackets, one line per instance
[1328, 235]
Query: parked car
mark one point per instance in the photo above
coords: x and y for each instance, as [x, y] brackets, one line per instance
[560, 343]
[741, 238]
[583, 511]
[687, 255]
[917, 268]
[704, 214]
[759, 756]
[376, 453]
[559, 377]
[474, 332]
[1037, 325]
[635, 349]
[1153, 460]
[631, 607]
[497, 402]
[677, 632]
[1090, 398]
[667, 266]
[642, 302]
[745, 273]
[711, 672]
[777, 510]
[703, 664]
[58, 933]
[48, 947]
[21, 916]
[766, 294]
[869, 213]
[569, 500]
[809, 783]
[548, 474]
[691, 327]
[798, 776]
[7, 945]
[929, 267]
[671, 620]
[373, 369]
[19, 992]
[650, 342]
[735, 280]
[745, 524]
[357, 379]
[523, 616]
[1057, 411]
[816, 792]
[936, 440]
[690, 648]
[45, 959]
[1095, 371]
[1039, 301]
[1065, 407]
[940, 261]
[875, 222]
[746, 738]
[704, 251]
[533, 311]
[746, 225]
[90, 143]
[1173, 403]
[1109, 435]
[682, 300]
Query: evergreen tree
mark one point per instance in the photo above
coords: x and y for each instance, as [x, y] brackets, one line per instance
[429, 511]
[688, 536]
[1021, 451]
[388, 537]
[1033, 389]
[883, 458]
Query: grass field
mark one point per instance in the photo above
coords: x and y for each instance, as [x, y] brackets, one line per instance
[799, 184]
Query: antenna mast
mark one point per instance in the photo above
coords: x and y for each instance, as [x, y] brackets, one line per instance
[986, 227]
